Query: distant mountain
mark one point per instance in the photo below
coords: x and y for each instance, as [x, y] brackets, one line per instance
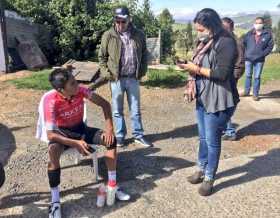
[183, 18]
[242, 20]
[246, 21]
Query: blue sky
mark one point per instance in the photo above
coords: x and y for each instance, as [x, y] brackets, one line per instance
[188, 7]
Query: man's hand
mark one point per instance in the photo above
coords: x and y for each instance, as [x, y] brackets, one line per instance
[82, 147]
[108, 137]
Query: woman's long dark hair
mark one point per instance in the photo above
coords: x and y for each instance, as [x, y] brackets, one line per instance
[210, 19]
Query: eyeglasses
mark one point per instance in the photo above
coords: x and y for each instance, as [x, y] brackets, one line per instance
[121, 21]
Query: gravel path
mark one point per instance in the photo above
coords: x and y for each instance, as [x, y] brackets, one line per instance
[155, 176]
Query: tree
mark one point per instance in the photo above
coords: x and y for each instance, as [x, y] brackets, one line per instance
[190, 41]
[76, 25]
[165, 22]
[132, 5]
[181, 43]
[91, 7]
[146, 20]
[184, 40]
[165, 19]
[37, 10]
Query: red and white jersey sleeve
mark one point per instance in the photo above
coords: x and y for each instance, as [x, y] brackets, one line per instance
[49, 111]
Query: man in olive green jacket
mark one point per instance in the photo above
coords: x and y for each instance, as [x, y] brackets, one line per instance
[123, 62]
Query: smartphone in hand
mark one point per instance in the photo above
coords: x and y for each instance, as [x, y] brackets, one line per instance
[91, 149]
[180, 63]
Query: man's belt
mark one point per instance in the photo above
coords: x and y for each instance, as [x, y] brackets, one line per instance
[128, 76]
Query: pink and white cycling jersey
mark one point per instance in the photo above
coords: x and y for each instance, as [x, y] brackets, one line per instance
[61, 112]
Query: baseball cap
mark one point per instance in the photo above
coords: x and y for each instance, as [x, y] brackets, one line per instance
[122, 12]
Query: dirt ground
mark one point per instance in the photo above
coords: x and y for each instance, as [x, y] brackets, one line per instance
[169, 123]
[18, 109]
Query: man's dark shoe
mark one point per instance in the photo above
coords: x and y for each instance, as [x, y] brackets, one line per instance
[229, 137]
[256, 98]
[196, 178]
[120, 142]
[143, 142]
[206, 187]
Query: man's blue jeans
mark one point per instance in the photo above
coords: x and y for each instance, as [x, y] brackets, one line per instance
[230, 129]
[251, 68]
[131, 87]
[210, 127]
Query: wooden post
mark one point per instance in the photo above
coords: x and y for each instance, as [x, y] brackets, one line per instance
[3, 41]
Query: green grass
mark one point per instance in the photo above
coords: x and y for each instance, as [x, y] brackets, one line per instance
[155, 78]
[172, 79]
[38, 80]
[239, 31]
[165, 78]
[271, 70]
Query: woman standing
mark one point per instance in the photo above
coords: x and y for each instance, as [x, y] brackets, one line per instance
[212, 83]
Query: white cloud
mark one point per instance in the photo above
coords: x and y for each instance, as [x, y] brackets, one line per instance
[187, 14]
[182, 11]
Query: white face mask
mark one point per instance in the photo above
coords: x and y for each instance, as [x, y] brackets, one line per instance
[258, 26]
[203, 36]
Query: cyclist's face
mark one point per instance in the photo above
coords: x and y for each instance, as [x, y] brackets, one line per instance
[71, 87]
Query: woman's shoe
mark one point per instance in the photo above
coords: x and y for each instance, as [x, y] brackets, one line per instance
[196, 178]
[206, 187]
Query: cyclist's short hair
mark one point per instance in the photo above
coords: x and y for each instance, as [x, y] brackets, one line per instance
[59, 77]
